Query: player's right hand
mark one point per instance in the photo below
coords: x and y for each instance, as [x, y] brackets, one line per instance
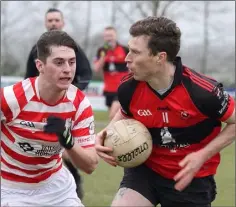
[102, 151]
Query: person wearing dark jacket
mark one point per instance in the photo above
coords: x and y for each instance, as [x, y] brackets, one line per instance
[54, 20]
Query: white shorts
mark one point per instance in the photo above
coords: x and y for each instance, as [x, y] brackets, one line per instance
[59, 190]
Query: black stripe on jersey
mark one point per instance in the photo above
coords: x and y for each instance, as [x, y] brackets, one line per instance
[207, 94]
[191, 135]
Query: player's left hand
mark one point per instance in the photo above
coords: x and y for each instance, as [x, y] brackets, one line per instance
[191, 164]
[57, 125]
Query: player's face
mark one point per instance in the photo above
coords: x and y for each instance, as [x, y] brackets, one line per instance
[54, 21]
[59, 69]
[110, 36]
[139, 60]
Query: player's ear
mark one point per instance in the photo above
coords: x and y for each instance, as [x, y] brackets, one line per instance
[161, 57]
[39, 65]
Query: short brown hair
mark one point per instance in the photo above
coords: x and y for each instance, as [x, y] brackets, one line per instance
[53, 38]
[110, 28]
[163, 32]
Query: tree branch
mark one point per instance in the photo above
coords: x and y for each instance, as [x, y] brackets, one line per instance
[139, 7]
[123, 12]
[163, 13]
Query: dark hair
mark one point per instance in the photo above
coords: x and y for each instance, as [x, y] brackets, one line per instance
[163, 32]
[53, 38]
[110, 28]
[50, 10]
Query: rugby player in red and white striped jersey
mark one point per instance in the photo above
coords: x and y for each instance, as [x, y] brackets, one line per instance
[40, 118]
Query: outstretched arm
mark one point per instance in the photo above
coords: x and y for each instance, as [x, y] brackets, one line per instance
[218, 105]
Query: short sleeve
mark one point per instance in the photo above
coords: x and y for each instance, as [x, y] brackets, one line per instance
[125, 93]
[218, 104]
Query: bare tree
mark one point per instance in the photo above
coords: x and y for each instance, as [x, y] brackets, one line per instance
[4, 24]
[113, 13]
[9, 64]
[88, 26]
[121, 10]
[157, 7]
[166, 7]
[54, 4]
[206, 36]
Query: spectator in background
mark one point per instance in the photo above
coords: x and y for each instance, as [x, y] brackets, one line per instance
[110, 60]
[54, 20]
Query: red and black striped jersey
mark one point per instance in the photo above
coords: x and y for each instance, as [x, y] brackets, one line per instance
[182, 120]
[115, 67]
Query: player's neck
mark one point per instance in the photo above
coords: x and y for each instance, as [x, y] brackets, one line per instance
[164, 78]
[48, 94]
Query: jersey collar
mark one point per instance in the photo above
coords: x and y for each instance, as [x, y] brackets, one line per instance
[178, 72]
[177, 78]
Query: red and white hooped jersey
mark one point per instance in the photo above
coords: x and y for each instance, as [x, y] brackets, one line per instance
[28, 155]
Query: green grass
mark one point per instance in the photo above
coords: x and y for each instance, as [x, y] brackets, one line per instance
[101, 186]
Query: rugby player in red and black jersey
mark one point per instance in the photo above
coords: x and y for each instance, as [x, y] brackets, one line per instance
[183, 111]
[111, 61]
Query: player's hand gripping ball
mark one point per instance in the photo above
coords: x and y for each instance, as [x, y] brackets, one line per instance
[131, 142]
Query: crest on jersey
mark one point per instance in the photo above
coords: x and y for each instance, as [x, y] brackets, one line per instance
[166, 137]
[184, 114]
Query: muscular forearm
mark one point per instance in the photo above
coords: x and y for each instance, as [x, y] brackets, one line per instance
[84, 159]
[225, 138]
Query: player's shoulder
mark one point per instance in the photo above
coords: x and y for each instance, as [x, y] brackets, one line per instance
[18, 95]
[123, 47]
[200, 87]
[198, 81]
[74, 93]
[127, 86]
[76, 96]
[22, 88]
[128, 81]
[197, 77]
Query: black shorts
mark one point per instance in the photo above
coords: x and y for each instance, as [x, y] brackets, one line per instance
[110, 97]
[159, 190]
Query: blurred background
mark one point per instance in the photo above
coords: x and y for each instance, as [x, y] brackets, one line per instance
[208, 46]
[208, 29]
